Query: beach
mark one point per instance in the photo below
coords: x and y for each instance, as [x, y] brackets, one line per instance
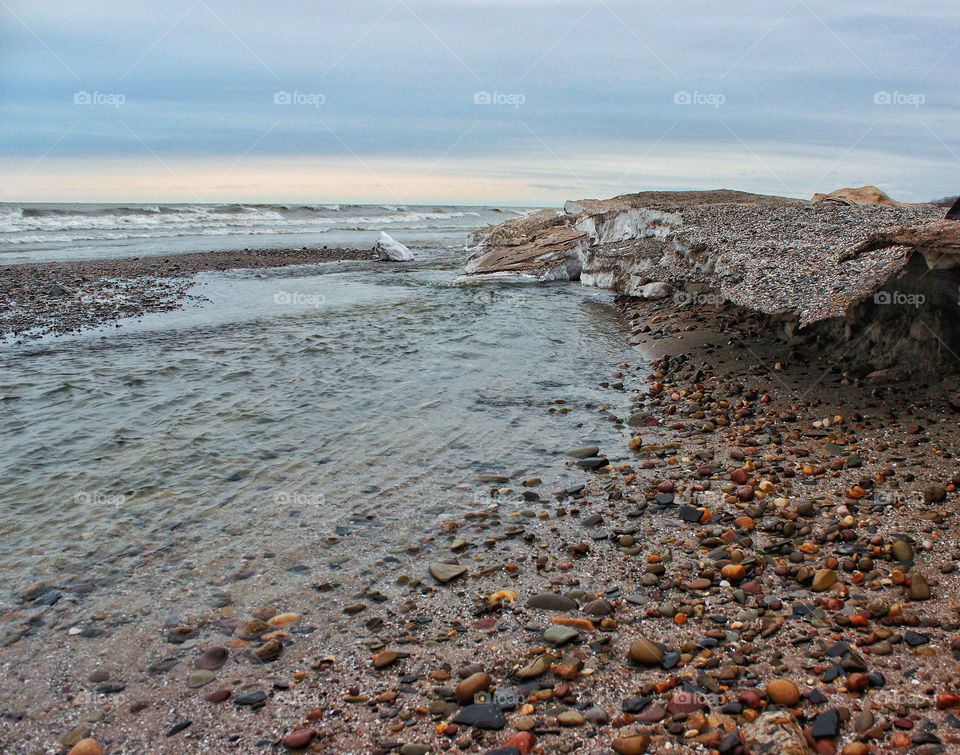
[760, 553]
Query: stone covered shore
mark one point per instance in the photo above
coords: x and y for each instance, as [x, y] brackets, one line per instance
[767, 565]
[64, 297]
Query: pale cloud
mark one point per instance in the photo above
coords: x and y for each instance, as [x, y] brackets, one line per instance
[533, 101]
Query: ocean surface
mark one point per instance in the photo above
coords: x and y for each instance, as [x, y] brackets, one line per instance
[338, 410]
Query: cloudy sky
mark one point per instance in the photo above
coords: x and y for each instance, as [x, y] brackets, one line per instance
[474, 101]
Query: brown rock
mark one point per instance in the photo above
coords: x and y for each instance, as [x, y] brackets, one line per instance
[645, 653]
[823, 579]
[783, 692]
[299, 739]
[635, 744]
[86, 747]
[470, 686]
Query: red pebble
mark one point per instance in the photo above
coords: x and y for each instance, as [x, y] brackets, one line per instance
[524, 742]
[218, 697]
[297, 740]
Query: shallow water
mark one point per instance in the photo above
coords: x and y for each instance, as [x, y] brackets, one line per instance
[289, 406]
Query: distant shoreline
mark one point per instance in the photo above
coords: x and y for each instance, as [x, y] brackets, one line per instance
[41, 298]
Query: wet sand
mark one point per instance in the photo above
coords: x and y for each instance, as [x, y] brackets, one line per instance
[63, 297]
[773, 569]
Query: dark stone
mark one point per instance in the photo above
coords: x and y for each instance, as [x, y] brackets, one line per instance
[252, 698]
[690, 514]
[826, 724]
[550, 601]
[177, 728]
[594, 463]
[635, 704]
[482, 716]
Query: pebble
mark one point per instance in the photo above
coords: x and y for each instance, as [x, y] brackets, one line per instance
[919, 588]
[469, 687]
[444, 573]
[783, 692]
[560, 635]
[635, 744]
[200, 678]
[482, 716]
[86, 747]
[212, 659]
[551, 601]
[646, 653]
[299, 739]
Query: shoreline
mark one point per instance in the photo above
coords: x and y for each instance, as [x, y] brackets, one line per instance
[746, 542]
[62, 297]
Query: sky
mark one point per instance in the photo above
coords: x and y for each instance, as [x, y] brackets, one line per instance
[506, 102]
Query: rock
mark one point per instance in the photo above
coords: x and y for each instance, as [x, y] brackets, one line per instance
[414, 749]
[823, 579]
[934, 494]
[919, 589]
[551, 601]
[384, 659]
[902, 551]
[783, 692]
[646, 653]
[775, 732]
[469, 687]
[598, 608]
[252, 629]
[560, 635]
[200, 678]
[733, 572]
[299, 739]
[388, 249]
[593, 463]
[865, 195]
[86, 747]
[536, 667]
[221, 695]
[583, 453]
[251, 699]
[444, 573]
[635, 744]
[523, 743]
[212, 659]
[483, 716]
[656, 290]
[571, 718]
[826, 724]
[284, 620]
[269, 651]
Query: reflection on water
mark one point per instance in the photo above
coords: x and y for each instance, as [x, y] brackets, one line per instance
[362, 404]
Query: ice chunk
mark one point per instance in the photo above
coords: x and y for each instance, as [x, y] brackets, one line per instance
[389, 249]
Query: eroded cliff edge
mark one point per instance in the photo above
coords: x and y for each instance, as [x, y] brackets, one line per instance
[851, 270]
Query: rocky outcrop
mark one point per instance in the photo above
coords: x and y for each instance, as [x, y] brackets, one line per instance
[779, 256]
[855, 273]
[863, 195]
